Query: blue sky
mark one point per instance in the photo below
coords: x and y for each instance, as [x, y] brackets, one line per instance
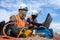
[10, 7]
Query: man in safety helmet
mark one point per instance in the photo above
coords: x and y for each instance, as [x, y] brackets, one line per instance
[32, 22]
[32, 19]
[19, 18]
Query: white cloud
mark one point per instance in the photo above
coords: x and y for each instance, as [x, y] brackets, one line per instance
[54, 14]
[11, 6]
[34, 5]
[55, 3]
[56, 27]
[3, 15]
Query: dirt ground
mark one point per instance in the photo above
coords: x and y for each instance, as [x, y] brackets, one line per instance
[56, 37]
[40, 38]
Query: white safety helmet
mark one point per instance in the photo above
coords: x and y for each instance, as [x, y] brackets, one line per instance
[34, 12]
[23, 7]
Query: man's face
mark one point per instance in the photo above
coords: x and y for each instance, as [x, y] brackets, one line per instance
[23, 13]
[34, 16]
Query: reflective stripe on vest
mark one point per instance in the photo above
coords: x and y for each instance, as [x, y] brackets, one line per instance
[19, 21]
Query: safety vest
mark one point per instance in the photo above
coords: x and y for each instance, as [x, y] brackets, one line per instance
[19, 21]
[31, 19]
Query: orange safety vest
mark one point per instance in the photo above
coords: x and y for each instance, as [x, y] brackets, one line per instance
[19, 21]
[35, 21]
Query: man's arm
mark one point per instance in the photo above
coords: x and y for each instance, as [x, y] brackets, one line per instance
[13, 19]
[37, 24]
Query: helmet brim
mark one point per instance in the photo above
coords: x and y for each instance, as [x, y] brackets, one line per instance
[22, 9]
